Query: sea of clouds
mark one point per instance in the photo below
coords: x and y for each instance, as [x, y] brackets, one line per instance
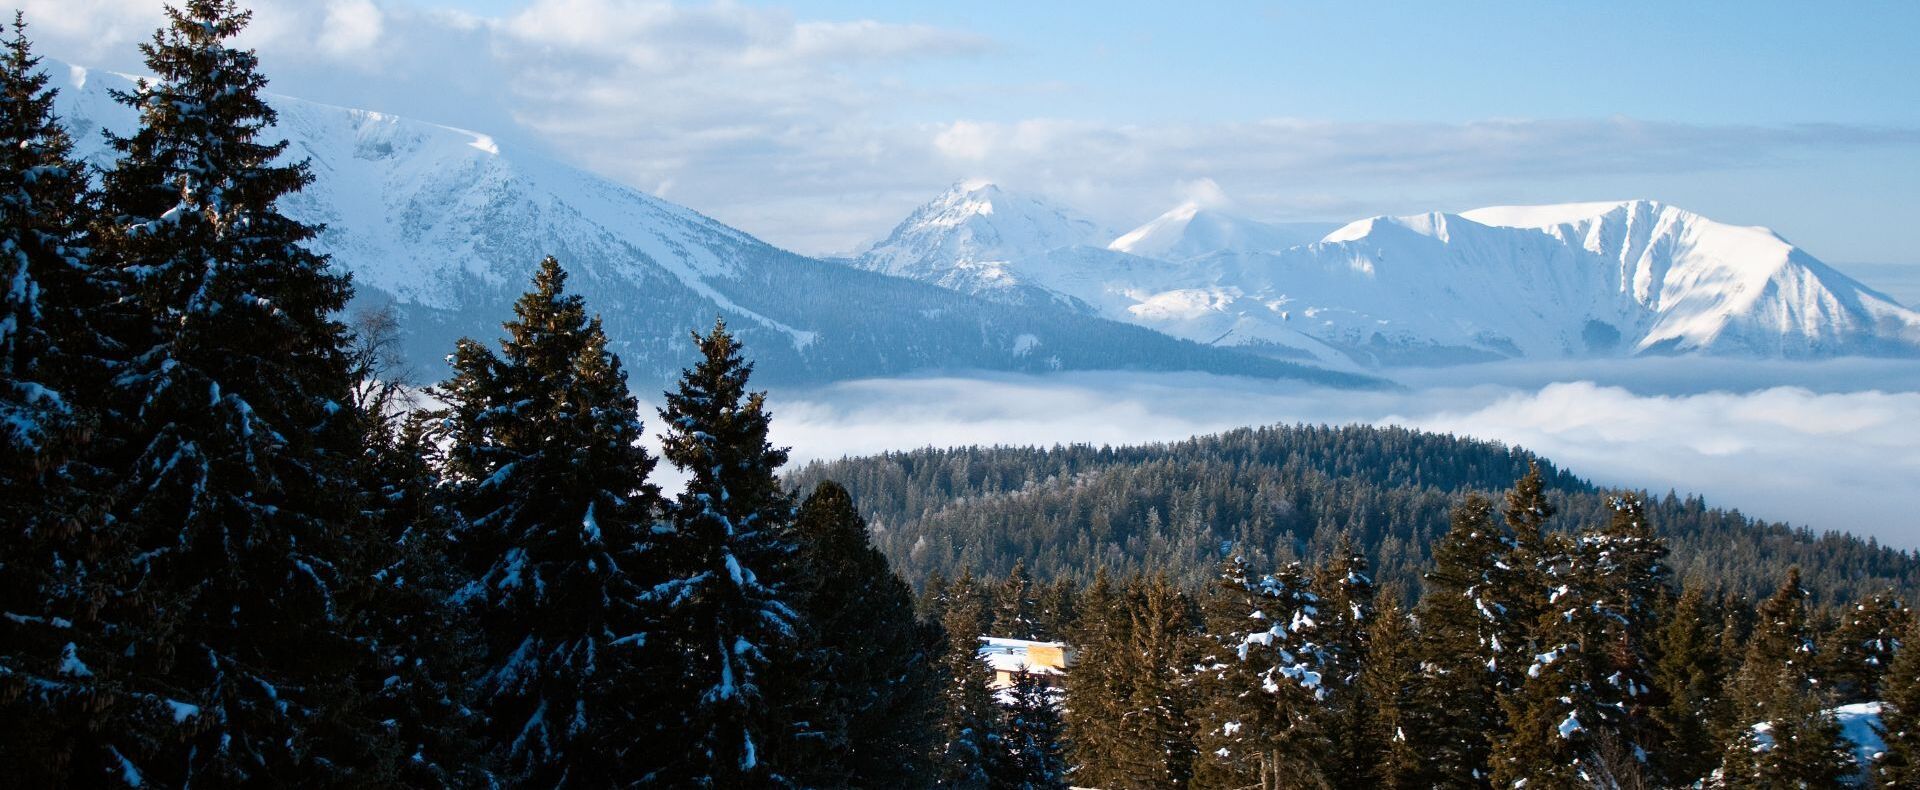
[1830, 445]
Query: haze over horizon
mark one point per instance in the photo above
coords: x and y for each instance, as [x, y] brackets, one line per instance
[817, 125]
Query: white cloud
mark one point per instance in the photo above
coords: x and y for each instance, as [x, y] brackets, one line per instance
[1841, 458]
[351, 27]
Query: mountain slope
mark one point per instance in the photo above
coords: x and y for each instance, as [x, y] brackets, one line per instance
[446, 225]
[969, 238]
[1190, 230]
[1574, 280]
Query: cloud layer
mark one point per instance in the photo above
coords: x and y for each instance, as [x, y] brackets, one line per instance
[1845, 458]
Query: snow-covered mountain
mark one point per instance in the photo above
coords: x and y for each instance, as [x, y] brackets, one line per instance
[968, 238]
[447, 225]
[1573, 280]
[1191, 229]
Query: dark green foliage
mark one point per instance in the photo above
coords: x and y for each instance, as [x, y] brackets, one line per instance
[873, 661]
[549, 484]
[1692, 673]
[1032, 736]
[1900, 717]
[1100, 685]
[1281, 492]
[1389, 690]
[427, 652]
[973, 750]
[1778, 686]
[1457, 701]
[729, 552]
[1155, 744]
[50, 537]
[228, 433]
[1346, 624]
[1015, 608]
[1858, 651]
[1260, 682]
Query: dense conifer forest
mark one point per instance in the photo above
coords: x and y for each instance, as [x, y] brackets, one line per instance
[1281, 493]
[239, 550]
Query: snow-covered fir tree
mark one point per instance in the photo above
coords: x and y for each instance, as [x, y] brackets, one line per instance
[549, 482]
[728, 549]
[1555, 721]
[1786, 736]
[229, 433]
[1857, 652]
[1462, 625]
[1346, 595]
[1033, 738]
[51, 544]
[1262, 681]
[1899, 765]
[973, 749]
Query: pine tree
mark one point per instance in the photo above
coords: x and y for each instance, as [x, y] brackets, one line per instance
[1462, 624]
[52, 542]
[1387, 687]
[1899, 766]
[1154, 747]
[1261, 680]
[1692, 674]
[730, 552]
[1858, 652]
[1014, 605]
[1055, 610]
[231, 440]
[550, 486]
[973, 750]
[1521, 592]
[1799, 746]
[1555, 718]
[1777, 690]
[1099, 685]
[1346, 594]
[1032, 732]
[875, 661]
[420, 689]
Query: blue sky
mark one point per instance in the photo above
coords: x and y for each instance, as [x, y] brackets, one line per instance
[819, 123]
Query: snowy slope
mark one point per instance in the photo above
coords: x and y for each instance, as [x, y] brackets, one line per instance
[968, 238]
[1575, 280]
[447, 225]
[1191, 229]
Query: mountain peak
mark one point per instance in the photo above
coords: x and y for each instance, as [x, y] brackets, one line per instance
[970, 229]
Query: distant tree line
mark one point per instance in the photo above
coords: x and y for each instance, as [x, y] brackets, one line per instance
[1281, 493]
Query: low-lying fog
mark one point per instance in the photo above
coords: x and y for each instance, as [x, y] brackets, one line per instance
[1831, 445]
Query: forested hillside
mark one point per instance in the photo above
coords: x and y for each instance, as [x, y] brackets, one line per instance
[1279, 493]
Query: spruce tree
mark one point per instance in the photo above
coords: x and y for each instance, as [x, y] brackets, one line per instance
[1899, 766]
[1857, 653]
[1692, 674]
[52, 542]
[973, 752]
[427, 652]
[1262, 676]
[1155, 745]
[231, 439]
[729, 550]
[1788, 738]
[876, 663]
[550, 486]
[1346, 622]
[1099, 685]
[1388, 690]
[1555, 719]
[1522, 590]
[1032, 732]
[1015, 610]
[1630, 584]
[1462, 623]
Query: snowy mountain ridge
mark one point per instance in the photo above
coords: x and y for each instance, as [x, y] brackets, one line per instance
[1616, 278]
[446, 226]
